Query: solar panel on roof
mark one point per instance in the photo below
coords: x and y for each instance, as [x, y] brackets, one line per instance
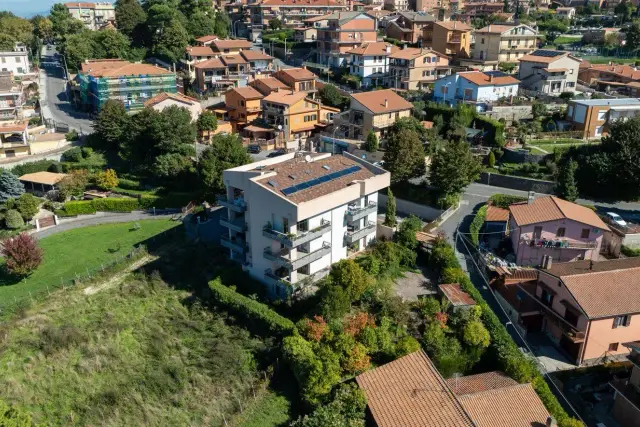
[546, 53]
[288, 191]
[316, 181]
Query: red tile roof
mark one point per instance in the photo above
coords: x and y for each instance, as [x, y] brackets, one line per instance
[409, 392]
[220, 45]
[454, 25]
[247, 93]
[454, 293]
[377, 48]
[482, 79]
[496, 214]
[480, 382]
[80, 5]
[211, 63]
[255, 55]
[200, 51]
[296, 74]
[551, 208]
[619, 70]
[382, 101]
[174, 96]
[414, 52]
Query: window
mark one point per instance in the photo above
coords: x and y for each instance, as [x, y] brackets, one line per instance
[621, 321]
[546, 297]
[585, 233]
[537, 232]
[482, 41]
[4, 60]
[241, 103]
[560, 232]
[571, 71]
[598, 131]
[602, 115]
[17, 59]
[613, 346]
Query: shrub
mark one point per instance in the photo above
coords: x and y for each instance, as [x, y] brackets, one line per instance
[129, 184]
[22, 254]
[72, 136]
[504, 200]
[111, 204]
[13, 219]
[492, 159]
[32, 167]
[477, 223]
[28, 205]
[82, 207]
[11, 416]
[630, 252]
[107, 180]
[250, 309]
[72, 155]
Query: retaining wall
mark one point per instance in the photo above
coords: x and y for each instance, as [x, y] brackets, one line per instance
[512, 155]
[426, 213]
[517, 183]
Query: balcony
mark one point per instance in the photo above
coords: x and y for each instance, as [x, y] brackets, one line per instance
[560, 243]
[235, 244]
[556, 77]
[253, 109]
[293, 240]
[237, 224]
[574, 336]
[356, 235]
[455, 40]
[354, 213]
[283, 258]
[274, 279]
[237, 205]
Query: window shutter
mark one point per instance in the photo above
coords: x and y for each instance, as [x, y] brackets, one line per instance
[627, 320]
[615, 322]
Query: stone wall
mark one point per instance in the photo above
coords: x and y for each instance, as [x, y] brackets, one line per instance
[517, 183]
[426, 213]
[510, 113]
[513, 155]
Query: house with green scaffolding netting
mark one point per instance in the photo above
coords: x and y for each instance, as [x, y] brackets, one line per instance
[131, 83]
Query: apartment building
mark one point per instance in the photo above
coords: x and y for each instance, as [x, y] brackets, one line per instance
[375, 111]
[549, 71]
[94, 15]
[566, 12]
[452, 38]
[370, 61]
[482, 9]
[11, 97]
[475, 87]
[291, 217]
[267, 85]
[416, 68]
[344, 32]
[296, 116]
[397, 5]
[412, 27]
[504, 43]
[16, 61]
[227, 46]
[243, 106]
[291, 13]
[165, 100]
[133, 84]
[626, 401]
[226, 71]
[208, 48]
[298, 79]
[593, 116]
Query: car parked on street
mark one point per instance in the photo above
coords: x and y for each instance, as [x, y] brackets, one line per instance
[615, 219]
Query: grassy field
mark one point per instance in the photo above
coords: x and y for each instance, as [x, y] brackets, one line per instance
[607, 59]
[76, 251]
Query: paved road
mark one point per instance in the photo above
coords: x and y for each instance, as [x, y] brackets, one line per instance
[99, 218]
[53, 96]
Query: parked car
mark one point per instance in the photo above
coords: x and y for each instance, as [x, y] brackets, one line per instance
[614, 218]
[276, 153]
[253, 149]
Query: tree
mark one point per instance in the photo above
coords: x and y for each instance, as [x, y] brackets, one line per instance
[492, 159]
[207, 122]
[567, 187]
[225, 152]
[201, 24]
[19, 28]
[27, 204]
[171, 41]
[275, 24]
[129, 15]
[371, 144]
[171, 165]
[390, 213]
[405, 156]
[418, 109]
[538, 109]
[351, 277]
[453, 168]
[42, 27]
[346, 409]
[632, 35]
[624, 10]
[107, 180]
[612, 40]
[331, 96]
[112, 123]
[406, 235]
[222, 25]
[109, 43]
[73, 184]
[474, 334]
[22, 254]
[7, 42]
[13, 219]
[10, 186]
[63, 24]
[78, 47]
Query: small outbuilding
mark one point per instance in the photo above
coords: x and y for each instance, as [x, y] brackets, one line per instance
[458, 298]
[41, 182]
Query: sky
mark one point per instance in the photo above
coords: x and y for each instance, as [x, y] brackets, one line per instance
[28, 8]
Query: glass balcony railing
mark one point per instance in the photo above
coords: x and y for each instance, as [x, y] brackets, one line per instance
[236, 205]
[355, 213]
[237, 224]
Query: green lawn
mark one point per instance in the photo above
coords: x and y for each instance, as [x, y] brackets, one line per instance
[79, 250]
[607, 59]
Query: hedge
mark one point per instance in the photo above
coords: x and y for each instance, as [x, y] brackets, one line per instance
[503, 349]
[113, 204]
[477, 223]
[254, 312]
[630, 252]
[82, 207]
[504, 200]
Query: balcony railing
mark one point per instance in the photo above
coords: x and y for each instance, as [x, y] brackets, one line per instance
[237, 224]
[356, 235]
[354, 213]
[560, 244]
[283, 258]
[237, 205]
[293, 240]
[574, 337]
[272, 278]
[556, 77]
[629, 390]
[234, 244]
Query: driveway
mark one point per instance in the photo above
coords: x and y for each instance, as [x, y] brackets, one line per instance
[414, 284]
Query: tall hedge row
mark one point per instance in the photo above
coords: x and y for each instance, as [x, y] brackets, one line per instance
[113, 204]
[503, 349]
[476, 224]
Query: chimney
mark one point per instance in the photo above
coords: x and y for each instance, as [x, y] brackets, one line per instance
[489, 28]
[547, 262]
[590, 265]
[531, 197]
[490, 78]
[388, 48]
[386, 103]
[551, 422]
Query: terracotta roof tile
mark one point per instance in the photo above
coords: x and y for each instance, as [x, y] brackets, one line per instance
[233, 59]
[619, 70]
[285, 97]
[299, 3]
[482, 79]
[247, 93]
[454, 293]
[114, 68]
[585, 266]
[175, 96]
[536, 57]
[254, 55]
[220, 45]
[496, 29]
[200, 51]
[205, 39]
[479, 382]
[409, 392]
[211, 63]
[497, 214]
[375, 101]
[296, 74]
[377, 48]
[454, 25]
[414, 52]
[515, 406]
[80, 5]
[551, 208]
[268, 85]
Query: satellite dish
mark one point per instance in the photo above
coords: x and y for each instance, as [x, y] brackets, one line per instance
[307, 158]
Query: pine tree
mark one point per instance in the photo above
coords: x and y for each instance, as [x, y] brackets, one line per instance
[492, 159]
[567, 187]
[371, 144]
[10, 186]
[390, 214]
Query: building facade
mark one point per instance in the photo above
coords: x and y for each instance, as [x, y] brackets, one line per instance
[291, 217]
[475, 87]
[416, 69]
[243, 105]
[344, 32]
[593, 117]
[452, 38]
[165, 100]
[16, 61]
[291, 13]
[370, 62]
[626, 402]
[11, 97]
[94, 16]
[504, 43]
[412, 27]
[549, 71]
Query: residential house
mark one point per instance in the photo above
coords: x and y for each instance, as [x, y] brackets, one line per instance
[267, 85]
[132, 84]
[243, 106]
[626, 401]
[11, 97]
[598, 35]
[549, 71]
[164, 100]
[549, 226]
[370, 62]
[475, 87]
[452, 38]
[14, 139]
[413, 383]
[412, 27]
[397, 5]
[593, 116]
[375, 111]
[16, 61]
[291, 13]
[566, 12]
[305, 34]
[480, 9]
[229, 70]
[604, 74]
[417, 68]
[343, 32]
[293, 216]
[224, 46]
[504, 43]
[94, 16]
[296, 116]
[298, 79]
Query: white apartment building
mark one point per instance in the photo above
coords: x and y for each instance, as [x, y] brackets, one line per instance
[370, 61]
[93, 15]
[291, 217]
[16, 61]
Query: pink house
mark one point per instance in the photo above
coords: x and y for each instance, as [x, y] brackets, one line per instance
[549, 226]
